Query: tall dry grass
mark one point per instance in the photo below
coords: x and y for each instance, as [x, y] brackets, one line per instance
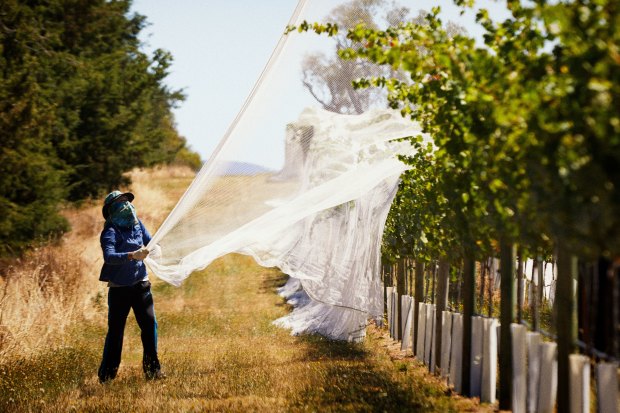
[54, 287]
[221, 352]
[39, 298]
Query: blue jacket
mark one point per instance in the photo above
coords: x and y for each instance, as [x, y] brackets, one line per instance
[116, 243]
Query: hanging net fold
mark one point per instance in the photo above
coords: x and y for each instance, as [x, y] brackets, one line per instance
[302, 180]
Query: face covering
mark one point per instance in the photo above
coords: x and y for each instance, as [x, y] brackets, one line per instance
[123, 214]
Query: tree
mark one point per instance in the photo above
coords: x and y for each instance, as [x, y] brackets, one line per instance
[80, 104]
[329, 78]
[526, 127]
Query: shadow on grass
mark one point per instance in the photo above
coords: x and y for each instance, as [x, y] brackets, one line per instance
[354, 378]
[320, 348]
[353, 381]
[350, 378]
[273, 281]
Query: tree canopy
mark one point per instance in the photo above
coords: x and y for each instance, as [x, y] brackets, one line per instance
[526, 125]
[80, 104]
[329, 79]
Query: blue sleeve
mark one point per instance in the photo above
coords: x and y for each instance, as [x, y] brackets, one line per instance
[108, 243]
[146, 235]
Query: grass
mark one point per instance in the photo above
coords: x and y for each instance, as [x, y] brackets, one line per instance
[220, 351]
[55, 286]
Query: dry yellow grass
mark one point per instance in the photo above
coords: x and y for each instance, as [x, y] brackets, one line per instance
[56, 286]
[222, 353]
[217, 345]
[35, 302]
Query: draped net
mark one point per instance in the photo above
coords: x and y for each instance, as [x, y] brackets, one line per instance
[302, 180]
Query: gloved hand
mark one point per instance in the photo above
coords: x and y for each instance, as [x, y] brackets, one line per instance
[140, 254]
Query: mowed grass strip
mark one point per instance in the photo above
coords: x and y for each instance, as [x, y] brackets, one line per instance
[221, 353]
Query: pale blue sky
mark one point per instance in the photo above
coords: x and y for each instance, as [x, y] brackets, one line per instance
[220, 48]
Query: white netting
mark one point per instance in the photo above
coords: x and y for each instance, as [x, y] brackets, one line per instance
[297, 186]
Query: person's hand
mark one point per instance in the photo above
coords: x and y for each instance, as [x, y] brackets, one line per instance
[140, 254]
[155, 252]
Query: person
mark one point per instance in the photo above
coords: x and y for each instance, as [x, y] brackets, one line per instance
[123, 241]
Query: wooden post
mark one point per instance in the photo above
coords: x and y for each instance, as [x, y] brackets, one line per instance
[385, 286]
[507, 256]
[427, 280]
[459, 286]
[410, 277]
[401, 290]
[433, 282]
[469, 301]
[615, 295]
[520, 287]
[565, 324]
[419, 297]
[584, 281]
[441, 303]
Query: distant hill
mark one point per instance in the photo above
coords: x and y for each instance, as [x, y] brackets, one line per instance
[244, 168]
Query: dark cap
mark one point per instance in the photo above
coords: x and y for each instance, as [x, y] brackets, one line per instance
[111, 197]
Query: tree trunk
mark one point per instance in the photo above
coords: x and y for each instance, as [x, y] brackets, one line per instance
[507, 252]
[401, 289]
[441, 303]
[491, 286]
[520, 287]
[419, 297]
[469, 301]
[459, 287]
[483, 274]
[604, 321]
[433, 281]
[534, 298]
[565, 324]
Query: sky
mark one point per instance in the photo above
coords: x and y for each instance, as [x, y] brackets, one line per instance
[220, 49]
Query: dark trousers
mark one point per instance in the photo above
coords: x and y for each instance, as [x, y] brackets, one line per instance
[120, 300]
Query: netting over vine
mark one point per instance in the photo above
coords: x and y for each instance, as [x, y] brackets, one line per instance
[303, 179]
